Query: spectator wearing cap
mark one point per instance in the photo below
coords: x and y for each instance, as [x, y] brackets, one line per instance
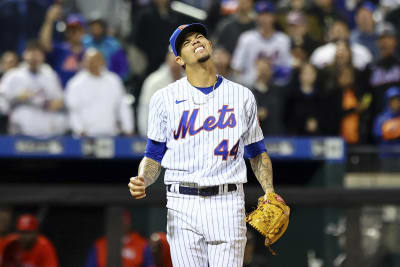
[302, 45]
[34, 95]
[325, 54]
[28, 247]
[230, 28]
[134, 248]
[112, 12]
[97, 101]
[365, 33]
[110, 47]
[65, 57]
[263, 40]
[387, 123]
[167, 73]
[385, 72]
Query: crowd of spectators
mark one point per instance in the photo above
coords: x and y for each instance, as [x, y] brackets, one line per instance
[316, 67]
[27, 246]
[22, 243]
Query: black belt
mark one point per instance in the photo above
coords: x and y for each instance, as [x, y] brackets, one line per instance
[204, 191]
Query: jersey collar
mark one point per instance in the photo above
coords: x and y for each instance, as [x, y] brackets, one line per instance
[207, 90]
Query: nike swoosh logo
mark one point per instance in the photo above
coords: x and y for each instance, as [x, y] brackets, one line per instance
[179, 101]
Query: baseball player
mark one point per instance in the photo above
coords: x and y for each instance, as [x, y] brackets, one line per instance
[199, 129]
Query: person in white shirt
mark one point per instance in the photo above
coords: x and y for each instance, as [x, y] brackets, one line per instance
[325, 55]
[8, 61]
[34, 96]
[264, 41]
[168, 72]
[97, 101]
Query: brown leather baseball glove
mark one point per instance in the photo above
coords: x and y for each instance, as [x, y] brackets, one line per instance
[271, 218]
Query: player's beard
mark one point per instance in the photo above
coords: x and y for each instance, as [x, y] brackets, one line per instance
[203, 59]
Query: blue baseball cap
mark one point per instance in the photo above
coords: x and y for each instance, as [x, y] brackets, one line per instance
[264, 7]
[368, 6]
[75, 20]
[392, 92]
[176, 38]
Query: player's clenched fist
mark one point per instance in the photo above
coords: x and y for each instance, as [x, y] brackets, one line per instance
[137, 187]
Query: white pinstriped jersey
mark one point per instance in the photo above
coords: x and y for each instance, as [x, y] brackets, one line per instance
[205, 135]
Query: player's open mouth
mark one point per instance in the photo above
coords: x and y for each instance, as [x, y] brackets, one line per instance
[198, 49]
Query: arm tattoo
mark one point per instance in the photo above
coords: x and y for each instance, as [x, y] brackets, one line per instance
[262, 168]
[149, 169]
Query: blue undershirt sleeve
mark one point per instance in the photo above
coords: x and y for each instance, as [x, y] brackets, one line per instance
[254, 149]
[155, 150]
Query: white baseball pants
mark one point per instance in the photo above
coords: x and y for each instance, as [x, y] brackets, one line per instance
[206, 231]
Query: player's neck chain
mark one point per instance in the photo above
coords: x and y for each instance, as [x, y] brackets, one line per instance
[207, 97]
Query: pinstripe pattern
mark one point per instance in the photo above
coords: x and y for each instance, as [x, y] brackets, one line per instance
[205, 231]
[191, 159]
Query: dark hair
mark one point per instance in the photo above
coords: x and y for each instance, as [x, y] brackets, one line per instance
[100, 21]
[179, 42]
[34, 45]
[348, 47]
[340, 21]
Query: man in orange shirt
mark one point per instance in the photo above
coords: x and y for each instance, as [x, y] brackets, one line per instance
[133, 248]
[5, 222]
[28, 247]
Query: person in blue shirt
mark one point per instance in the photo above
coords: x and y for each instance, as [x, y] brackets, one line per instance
[387, 123]
[109, 46]
[64, 57]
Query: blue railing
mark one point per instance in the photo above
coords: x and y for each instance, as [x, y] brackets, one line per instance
[331, 148]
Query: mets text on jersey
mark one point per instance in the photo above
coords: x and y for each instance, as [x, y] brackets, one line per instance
[187, 123]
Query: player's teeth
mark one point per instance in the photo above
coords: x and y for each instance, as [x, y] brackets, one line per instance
[198, 49]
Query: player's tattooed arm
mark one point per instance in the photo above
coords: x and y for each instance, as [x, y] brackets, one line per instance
[262, 168]
[149, 169]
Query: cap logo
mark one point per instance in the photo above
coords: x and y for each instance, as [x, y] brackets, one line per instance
[182, 27]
